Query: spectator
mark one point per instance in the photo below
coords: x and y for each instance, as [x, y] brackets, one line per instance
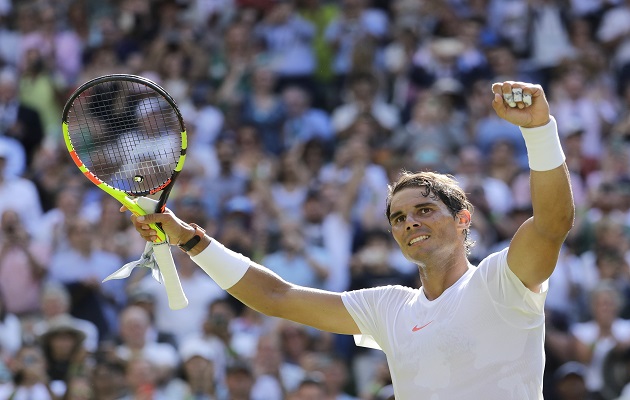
[18, 194]
[10, 333]
[240, 381]
[23, 265]
[613, 35]
[324, 226]
[160, 359]
[65, 354]
[356, 25]
[200, 291]
[274, 377]
[574, 103]
[39, 90]
[569, 382]
[198, 377]
[230, 182]
[55, 306]
[311, 388]
[17, 120]
[428, 130]
[364, 98]
[29, 376]
[296, 261]
[108, 379]
[264, 109]
[303, 122]
[596, 337]
[287, 39]
[214, 332]
[82, 268]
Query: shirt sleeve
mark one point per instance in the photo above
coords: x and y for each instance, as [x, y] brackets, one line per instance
[513, 300]
[370, 308]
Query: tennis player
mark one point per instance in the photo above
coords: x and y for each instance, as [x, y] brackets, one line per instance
[470, 332]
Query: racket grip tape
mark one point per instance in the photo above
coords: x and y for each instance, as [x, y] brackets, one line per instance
[176, 296]
[162, 252]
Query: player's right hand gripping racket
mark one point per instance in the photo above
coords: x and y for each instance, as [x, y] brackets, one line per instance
[127, 136]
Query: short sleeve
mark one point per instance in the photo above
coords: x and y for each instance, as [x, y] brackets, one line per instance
[371, 310]
[513, 300]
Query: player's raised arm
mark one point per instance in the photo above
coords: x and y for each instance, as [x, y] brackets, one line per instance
[535, 247]
[252, 284]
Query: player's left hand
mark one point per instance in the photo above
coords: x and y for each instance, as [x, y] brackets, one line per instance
[520, 103]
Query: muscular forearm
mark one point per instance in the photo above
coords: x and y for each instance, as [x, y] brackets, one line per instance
[552, 201]
[257, 287]
[550, 185]
[261, 289]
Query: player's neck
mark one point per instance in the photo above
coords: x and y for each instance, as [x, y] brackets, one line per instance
[437, 277]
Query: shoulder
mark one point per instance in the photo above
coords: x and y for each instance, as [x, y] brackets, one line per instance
[494, 259]
[380, 294]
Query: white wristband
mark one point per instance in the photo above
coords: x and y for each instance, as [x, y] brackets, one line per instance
[543, 146]
[223, 265]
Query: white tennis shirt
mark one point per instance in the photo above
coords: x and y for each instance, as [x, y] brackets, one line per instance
[481, 339]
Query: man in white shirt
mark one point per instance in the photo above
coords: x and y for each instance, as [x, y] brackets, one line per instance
[468, 332]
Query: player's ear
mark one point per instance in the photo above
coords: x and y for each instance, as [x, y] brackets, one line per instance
[463, 218]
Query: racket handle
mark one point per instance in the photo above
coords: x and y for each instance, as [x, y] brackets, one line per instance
[176, 296]
[162, 252]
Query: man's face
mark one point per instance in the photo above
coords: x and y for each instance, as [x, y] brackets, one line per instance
[423, 226]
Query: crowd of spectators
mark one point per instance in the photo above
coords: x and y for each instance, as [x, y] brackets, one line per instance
[299, 113]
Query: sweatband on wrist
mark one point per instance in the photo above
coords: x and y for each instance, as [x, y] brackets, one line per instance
[543, 146]
[223, 265]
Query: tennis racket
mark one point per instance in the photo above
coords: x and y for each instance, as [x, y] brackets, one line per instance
[127, 136]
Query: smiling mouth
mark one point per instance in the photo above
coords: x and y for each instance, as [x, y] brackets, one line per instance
[418, 239]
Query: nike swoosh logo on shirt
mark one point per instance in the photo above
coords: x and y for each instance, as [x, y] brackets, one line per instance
[416, 328]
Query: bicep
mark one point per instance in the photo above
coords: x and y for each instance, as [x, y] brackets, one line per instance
[532, 256]
[266, 292]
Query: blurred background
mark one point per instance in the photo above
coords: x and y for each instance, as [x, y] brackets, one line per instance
[299, 113]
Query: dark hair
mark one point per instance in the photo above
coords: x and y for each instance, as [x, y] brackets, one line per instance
[438, 187]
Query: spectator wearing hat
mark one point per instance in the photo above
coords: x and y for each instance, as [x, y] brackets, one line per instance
[311, 388]
[198, 377]
[55, 304]
[569, 382]
[62, 344]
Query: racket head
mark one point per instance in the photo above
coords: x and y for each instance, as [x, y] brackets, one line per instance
[127, 135]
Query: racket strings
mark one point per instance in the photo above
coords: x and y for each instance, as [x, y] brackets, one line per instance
[126, 135]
